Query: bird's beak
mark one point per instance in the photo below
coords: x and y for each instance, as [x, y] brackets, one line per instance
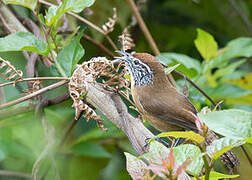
[125, 56]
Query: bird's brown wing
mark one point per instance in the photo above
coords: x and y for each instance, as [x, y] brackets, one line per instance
[170, 106]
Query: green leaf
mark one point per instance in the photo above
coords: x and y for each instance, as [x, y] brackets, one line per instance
[216, 175]
[228, 69]
[222, 145]
[31, 4]
[189, 66]
[206, 44]
[233, 123]
[79, 5]
[240, 47]
[180, 134]
[23, 41]
[90, 149]
[135, 166]
[55, 12]
[170, 69]
[185, 151]
[188, 62]
[248, 140]
[159, 152]
[70, 55]
[227, 91]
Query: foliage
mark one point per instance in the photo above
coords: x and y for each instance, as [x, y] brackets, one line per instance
[215, 72]
[217, 62]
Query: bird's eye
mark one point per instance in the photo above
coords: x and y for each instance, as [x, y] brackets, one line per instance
[136, 62]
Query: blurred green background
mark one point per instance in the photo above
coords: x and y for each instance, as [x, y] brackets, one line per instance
[90, 153]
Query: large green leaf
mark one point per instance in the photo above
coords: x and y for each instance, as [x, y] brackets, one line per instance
[55, 12]
[236, 124]
[206, 44]
[240, 47]
[23, 41]
[188, 62]
[70, 55]
[227, 91]
[216, 175]
[27, 3]
[90, 149]
[222, 145]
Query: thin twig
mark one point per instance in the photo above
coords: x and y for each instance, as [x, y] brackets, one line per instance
[5, 24]
[143, 27]
[66, 135]
[99, 45]
[13, 23]
[48, 88]
[243, 16]
[246, 154]
[34, 79]
[147, 34]
[198, 88]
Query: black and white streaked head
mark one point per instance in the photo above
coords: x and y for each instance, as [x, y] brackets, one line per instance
[141, 73]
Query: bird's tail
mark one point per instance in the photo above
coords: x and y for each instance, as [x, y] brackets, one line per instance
[228, 158]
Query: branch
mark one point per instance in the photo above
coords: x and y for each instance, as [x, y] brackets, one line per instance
[116, 111]
[143, 27]
[147, 34]
[34, 79]
[99, 45]
[198, 88]
[48, 88]
[9, 18]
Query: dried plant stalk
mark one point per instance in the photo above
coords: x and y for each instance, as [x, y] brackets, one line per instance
[109, 25]
[10, 72]
[34, 86]
[89, 72]
[126, 40]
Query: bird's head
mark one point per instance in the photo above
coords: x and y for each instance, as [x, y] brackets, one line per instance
[142, 67]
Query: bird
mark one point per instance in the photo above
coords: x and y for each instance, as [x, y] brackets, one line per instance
[159, 101]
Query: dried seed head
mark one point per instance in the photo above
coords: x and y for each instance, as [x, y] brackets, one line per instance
[109, 25]
[89, 72]
[10, 72]
[126, 40]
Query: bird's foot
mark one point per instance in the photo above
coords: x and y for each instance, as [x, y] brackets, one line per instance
[147, 142]
[177, 142]
[166, 144]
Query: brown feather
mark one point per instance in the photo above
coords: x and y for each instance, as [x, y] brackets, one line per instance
[166, 108]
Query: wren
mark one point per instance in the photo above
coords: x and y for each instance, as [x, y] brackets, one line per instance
[160, 103]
